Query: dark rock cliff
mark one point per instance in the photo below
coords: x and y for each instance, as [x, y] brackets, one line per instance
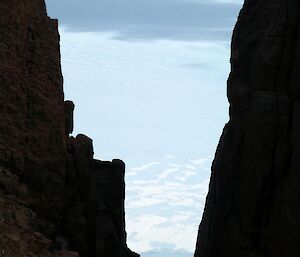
[253, 205]
[54, 197]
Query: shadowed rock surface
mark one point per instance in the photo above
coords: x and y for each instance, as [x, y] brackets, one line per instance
[55, 199]
[253, 205]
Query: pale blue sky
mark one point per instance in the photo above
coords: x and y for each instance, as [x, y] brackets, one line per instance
[149, 82]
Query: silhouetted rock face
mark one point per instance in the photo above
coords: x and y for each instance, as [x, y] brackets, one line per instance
[94, 220]
[252, 208]
[32, 124]
[54, 197]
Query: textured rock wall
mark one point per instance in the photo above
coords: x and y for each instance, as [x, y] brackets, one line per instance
[54, 196]
[18, 236]
[32, 126]
[252, 209]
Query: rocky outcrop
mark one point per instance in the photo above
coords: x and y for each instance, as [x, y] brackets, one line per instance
[252, 209]
[55, 199]
[94, 221]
